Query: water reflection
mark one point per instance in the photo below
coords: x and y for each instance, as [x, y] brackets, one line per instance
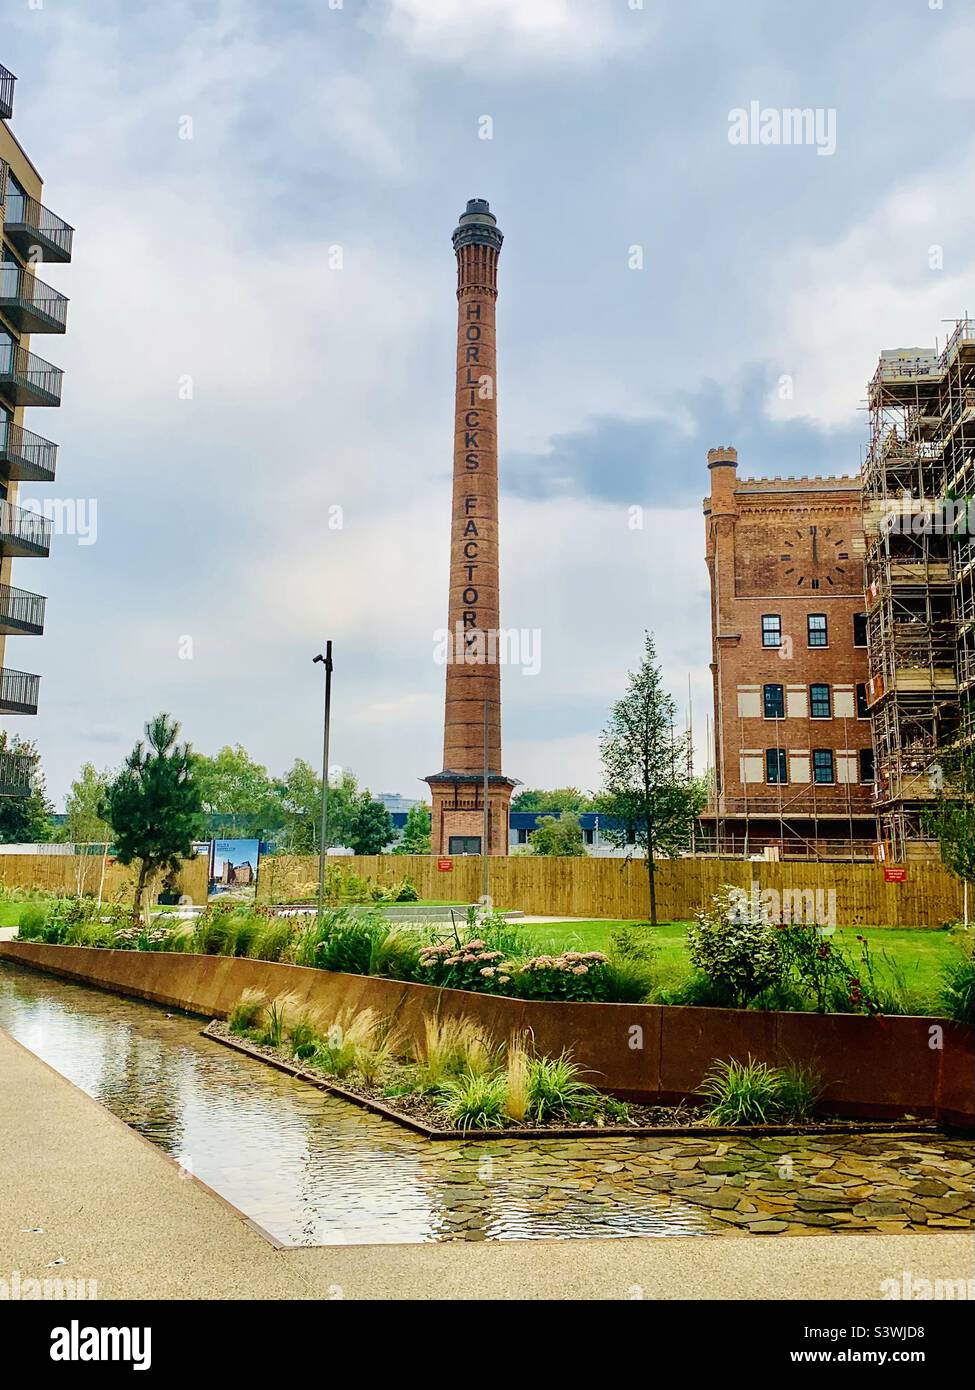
[314, 1170]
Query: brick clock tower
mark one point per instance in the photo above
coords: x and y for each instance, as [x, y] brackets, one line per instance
[793, 754]
[472, 711]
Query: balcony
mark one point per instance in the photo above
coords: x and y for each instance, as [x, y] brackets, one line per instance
[14, 774]
[25, 457]
[35, 231]
[21, 613]
[7, 81]
[26, 379]
[29, 304]
[18, 692]
[23, 532]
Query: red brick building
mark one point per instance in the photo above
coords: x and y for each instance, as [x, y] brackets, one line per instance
[793, 755]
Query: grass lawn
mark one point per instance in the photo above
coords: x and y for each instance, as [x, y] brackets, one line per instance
[919, 955]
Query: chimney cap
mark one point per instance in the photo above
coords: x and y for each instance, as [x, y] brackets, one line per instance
[479, 225]
[724, 454]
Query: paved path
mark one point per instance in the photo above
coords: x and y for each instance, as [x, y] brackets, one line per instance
[117, 1210]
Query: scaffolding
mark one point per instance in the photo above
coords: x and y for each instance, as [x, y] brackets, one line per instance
[918, 499]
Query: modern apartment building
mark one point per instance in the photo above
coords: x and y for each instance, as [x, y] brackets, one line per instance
[793, 754]
[32, 235]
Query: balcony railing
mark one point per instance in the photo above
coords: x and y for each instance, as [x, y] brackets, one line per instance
[37, 232]
[23, 532]
[21, 613]
[7, 81]
[29, 304]
[18, 692]
[14, 774]
[26, 379]
[25, 456]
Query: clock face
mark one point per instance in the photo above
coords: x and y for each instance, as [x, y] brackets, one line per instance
[814, 557]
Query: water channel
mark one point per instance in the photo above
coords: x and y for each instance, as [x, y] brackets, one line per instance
[314, 1170]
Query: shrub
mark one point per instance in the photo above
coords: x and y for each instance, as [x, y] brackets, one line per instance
[345, 939]
[247, 1011]
[554, 1089]
[753, 1093]
[474, 1101]
[574, 975]
[272, 939]
[402, 892]
[698, 992]
[799, 1091]
[814, 962]
[517, 1067]
[373, 1055]
[33, 920]
[275, 1019]
[628, 980]
[736, 945]
[470, 964]
[448, 1047]
[957, 989]
[347, 1036]
[743, 1093]
[396, 954]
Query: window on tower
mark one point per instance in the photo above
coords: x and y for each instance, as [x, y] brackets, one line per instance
[774, 701]
[816, 630]
[771, 630]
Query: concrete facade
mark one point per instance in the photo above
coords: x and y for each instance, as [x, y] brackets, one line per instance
[793, 751]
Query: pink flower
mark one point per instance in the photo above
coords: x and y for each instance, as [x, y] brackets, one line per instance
[580, 970]
[488, 971]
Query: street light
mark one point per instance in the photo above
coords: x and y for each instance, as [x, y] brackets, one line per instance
[327, 662]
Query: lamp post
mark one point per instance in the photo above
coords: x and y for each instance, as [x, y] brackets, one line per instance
[327, 662]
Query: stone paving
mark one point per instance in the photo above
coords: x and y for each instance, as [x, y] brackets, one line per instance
[759, 1186]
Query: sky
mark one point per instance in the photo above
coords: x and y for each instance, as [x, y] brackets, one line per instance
[256, 426]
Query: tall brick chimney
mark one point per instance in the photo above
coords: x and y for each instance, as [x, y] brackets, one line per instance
[473, 687]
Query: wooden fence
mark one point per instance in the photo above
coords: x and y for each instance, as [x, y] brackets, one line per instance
[617, 889]
[82, 873]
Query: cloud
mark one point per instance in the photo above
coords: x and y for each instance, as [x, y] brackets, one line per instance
[516, 31]
[662, 461]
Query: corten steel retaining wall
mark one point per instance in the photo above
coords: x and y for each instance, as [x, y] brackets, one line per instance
[873, 1067]
[617, 888]
[74, 873]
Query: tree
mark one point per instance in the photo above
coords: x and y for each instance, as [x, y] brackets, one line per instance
[952, 819]
[371, 827]
[233, 785]
[84, 804]
[299, 799]
[561, 799]
[154, 804]
[647, 784]
[415, 838]
[558, 835]
[25, 819]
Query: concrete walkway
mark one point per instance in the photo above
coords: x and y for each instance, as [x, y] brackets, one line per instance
[115, 1209]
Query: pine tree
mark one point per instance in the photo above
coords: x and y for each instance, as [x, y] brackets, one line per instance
[154, 805]
[647, 782]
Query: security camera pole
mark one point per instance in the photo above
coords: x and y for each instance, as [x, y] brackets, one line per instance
[327, 661]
